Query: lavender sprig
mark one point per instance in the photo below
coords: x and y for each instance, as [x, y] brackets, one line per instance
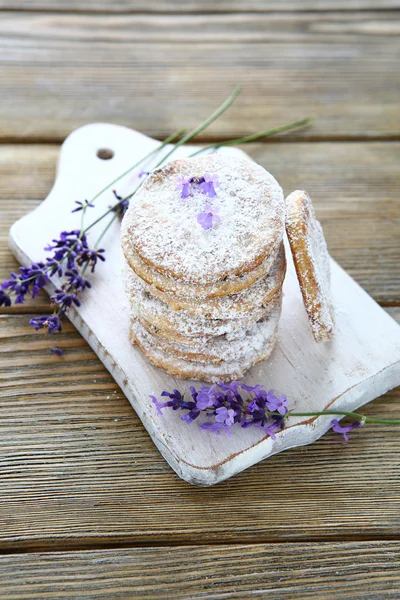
[236, 403]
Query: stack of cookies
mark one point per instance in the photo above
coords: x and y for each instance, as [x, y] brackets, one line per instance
[205, 264]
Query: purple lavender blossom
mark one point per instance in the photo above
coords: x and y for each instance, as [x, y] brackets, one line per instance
[143, 174]
[76, 281]
[81, 205]
[57, 351]
[208, 217]
[122, 206]
[5, 300]
[216, 428]
[275, 404]
[70, 246]
[225, 405]
[344, 430]
[205, 397]
[51, 322]
[29, 280]
[225, 415]
[65, 299]
[209, 184]
[182, 185]
[90, 256]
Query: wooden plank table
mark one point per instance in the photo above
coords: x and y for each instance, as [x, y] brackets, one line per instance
[88, 508]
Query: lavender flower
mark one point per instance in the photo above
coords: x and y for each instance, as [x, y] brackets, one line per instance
[226, 405]
[57, 351]
[29, 280]
[344, 430]
[52, 323]
[205, 397]
[76, 281]
[82, 205]
[207, 183]
[276, 404]
[225, 415]
[70, 246]
[91, 257]
[208, 217]
[5, 300]
[182, 185]
[64, 299]
[122, 206]
[143, 174]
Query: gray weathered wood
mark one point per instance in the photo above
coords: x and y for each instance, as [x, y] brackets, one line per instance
[159, 73]
[368, 570]
[195, 6]
[78, 468]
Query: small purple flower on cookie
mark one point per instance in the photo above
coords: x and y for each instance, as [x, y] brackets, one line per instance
[182, 185]
[344, 430]
[208, 217]
[209, 184]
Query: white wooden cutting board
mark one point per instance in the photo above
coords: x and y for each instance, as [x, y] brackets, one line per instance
[360, 364]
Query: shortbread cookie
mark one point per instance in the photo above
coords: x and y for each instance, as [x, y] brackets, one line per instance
[231, 285]
[312, 262]
[174, 337]
[235, 306]
[229, 371]
[179, 324]
[220, 350]
[162, 227]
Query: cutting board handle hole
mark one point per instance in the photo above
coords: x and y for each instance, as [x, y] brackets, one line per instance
[105, 153]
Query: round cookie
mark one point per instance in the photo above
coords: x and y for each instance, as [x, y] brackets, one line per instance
[220, 350]
[174, 337]
[231, 285]
[312, 263]
[235, 306]
[229, 371]
[161, 226]
[179, 323]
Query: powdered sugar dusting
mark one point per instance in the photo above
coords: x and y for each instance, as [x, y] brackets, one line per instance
[218, 350]
[162, 227]
[230, 285]
[228, 307]
[227, 371]
[162, 316]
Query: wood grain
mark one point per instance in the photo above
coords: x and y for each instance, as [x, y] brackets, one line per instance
[368, 570]
[78, 470]
[158, 73]
[194, 6]
[354, 188]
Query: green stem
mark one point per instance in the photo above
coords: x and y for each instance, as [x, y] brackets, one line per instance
[357, 416]
[217, 113]
[255, 136]
[105, 230]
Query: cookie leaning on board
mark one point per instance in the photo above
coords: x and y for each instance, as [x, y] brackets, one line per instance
[312, 263]
[205, 265]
